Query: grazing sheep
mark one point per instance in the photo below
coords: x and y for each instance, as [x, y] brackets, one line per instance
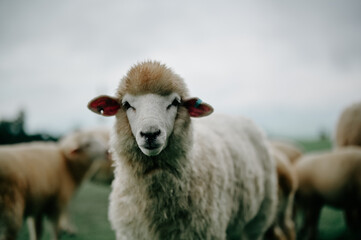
[333, 179]
[348, 129]
[291, 150]
[38, 179]
[178, 178]
[284, 227]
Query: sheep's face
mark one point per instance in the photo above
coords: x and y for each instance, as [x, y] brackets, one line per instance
[85, 145]
[150, 104]
[93, 147]
[151, 118]
[148, 100]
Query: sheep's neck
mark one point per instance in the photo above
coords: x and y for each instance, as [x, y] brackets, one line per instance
[168, 200]
[78, 169]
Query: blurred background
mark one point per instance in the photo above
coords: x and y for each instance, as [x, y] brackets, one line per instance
[291, 66]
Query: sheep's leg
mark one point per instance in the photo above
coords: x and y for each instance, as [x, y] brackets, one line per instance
[35, 227]
[55, 228]
[288, 225]
[275, 233]
[290, 229]
[54, 218]
[31, 228]
[66, 227]
[310, 223]
[353, 219]
[11, 213]
[38, 226]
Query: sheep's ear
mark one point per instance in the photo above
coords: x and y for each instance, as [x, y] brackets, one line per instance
[197, 108]
[75, 151]
[71, 152]
[104, 105]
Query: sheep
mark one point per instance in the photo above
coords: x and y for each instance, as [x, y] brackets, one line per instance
[290, 149]
[38, 179]
[284, 227]
[329, 178]
[177, 178]
[103, 173]
[348, 128]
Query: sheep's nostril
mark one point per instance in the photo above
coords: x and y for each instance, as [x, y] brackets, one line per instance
[150, 136]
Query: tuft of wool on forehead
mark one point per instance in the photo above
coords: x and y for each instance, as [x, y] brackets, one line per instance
[151, 77]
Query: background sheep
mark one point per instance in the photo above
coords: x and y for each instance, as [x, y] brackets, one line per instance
[102, 171]
[348, 129]
[284, 227]
[182, 179]
[38, 179]
[290, 149]
[331, 178]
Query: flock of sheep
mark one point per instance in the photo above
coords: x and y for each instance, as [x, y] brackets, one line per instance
[181, 172]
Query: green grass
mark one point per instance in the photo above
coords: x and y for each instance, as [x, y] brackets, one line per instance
[332, 225]
[315, 145]
[88, 212]
[89, 209]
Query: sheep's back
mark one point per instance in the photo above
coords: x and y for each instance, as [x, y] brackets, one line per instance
[231, 161]
[331, 175]
[31, 164]
[348, 129]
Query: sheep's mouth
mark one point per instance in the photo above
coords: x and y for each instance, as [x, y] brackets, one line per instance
[151, 149]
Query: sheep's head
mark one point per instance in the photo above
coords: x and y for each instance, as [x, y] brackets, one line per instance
[84, 146]
[151, 97]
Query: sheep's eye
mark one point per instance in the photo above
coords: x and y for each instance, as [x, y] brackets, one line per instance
[175, 103]
[126, 105]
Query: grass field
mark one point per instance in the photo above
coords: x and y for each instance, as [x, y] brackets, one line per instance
[90, 205]
[88, 212]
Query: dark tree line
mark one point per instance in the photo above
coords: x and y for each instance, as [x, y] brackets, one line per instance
[12, 131]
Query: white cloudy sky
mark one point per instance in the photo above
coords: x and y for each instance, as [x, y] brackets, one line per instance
[291, 66]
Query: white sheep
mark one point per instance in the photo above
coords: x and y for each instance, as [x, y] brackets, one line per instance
[178, 178]
[348, 128]
[329, 178]
[38, 179]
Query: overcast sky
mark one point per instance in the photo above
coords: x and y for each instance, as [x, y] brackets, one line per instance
[290, 66]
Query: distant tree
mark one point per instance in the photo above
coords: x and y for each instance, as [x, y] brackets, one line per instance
[13, 131]
[323, 135]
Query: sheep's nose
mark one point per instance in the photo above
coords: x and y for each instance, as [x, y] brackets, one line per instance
[150, 136]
